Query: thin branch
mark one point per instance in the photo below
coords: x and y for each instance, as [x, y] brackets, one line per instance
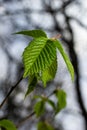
[10, 91]
[33, 113]
[76, 67]
[79, 22]
[25, 119]
[56, 37]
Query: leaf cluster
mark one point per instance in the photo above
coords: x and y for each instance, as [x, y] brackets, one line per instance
[40, 63]
[40, 58]
[60, 95]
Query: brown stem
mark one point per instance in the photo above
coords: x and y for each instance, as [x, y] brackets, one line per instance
[25, 119]
[9, 93]
[56, 37]
[33, 113]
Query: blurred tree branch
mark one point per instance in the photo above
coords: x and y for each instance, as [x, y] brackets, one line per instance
[70, 43]
[10, 91]
[56, 28]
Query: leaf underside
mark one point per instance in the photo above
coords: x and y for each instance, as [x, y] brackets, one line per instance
[38, 56]
[49, 73]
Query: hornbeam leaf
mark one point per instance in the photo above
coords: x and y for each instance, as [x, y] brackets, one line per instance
[33, 33]
[65, 57]
[39, 108]
[61, 96]
[38, 55]
[51, 103]
[7, 124]
[32, 84]
[44, 126]
[49, 73]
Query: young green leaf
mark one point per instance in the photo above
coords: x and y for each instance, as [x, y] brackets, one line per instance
[39, 108]
[65, 57]
[38, 55]
[7, 124]
[49, 73]
[44, 126]
[61, 96]
[51, 103]
[32, 84]
[38, 97]
[45, 99]
[33, 33]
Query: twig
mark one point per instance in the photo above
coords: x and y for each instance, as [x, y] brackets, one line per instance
[9, 93]
[25, 119]
[56, 37]
[33, 113]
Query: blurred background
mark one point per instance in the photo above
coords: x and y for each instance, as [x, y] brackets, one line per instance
[65, 17]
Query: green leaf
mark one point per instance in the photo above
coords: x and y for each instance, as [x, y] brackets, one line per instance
[65, 57]
[44, 126]
[49, 73]
[51, 103]
[45, 99]
[7, 124]
[32, 84]
[33, 33]
[39, 108]
[61, 96]
[38, 96]
[38, 55]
